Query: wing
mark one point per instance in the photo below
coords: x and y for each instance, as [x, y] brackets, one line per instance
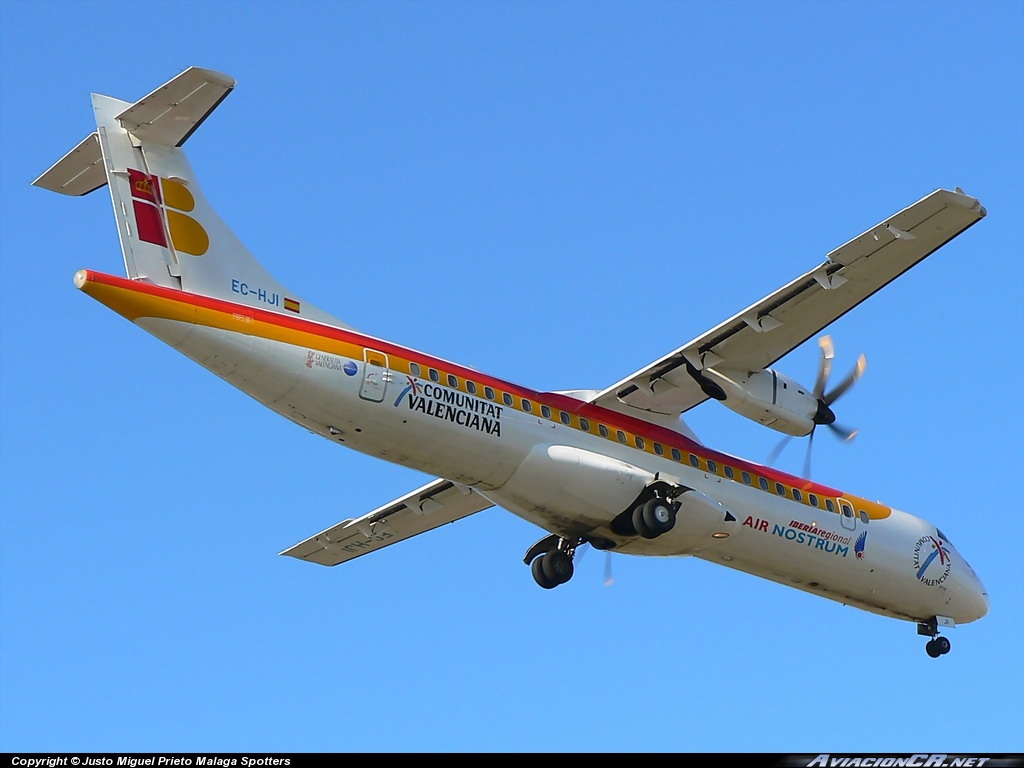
[761, 334]
[426, 508]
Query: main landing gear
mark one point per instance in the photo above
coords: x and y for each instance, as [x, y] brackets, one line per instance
[552, 568]
[937, 646]
[550, 559]
[654, 517]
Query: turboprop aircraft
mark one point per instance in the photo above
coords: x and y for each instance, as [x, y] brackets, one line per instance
[616, 468]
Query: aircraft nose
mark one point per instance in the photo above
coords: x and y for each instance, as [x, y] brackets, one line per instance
[972, 597]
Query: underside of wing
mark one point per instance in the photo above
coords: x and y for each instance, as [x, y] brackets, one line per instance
[424, 509]
[759, 335]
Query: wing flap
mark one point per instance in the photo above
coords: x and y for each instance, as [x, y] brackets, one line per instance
[762, 333]
[435, 504]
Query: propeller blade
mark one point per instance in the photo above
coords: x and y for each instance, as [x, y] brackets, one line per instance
[608, 580]
[777, 450]
[807, 456]
[825, 367]
[849, 381]
[844, 433]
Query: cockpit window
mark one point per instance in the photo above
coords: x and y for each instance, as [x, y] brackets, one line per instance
[943, 536]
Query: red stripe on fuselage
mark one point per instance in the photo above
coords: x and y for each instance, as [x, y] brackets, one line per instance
[594, 413]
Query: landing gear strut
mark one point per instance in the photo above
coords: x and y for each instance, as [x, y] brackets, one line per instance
[937, 646]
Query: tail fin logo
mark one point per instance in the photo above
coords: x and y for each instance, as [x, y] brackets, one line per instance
[156, 201]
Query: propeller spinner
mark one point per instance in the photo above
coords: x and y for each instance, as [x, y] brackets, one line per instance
[825, 416]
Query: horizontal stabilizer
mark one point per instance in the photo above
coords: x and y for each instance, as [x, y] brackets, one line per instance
[426, 508]
[79, 172]
[166, 117]
[171, 113]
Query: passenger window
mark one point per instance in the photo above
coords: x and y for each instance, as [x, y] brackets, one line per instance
[694, 461]
[829, 505]
[434, 375]
[658, 449]
[527, 406]
[471, 387]
[746, 478]
[712, 467]
[780, 489]
[813, 499]
[453, 381]
[639, 442]
[506, 398]
[620, 436]
[676, 455]
[797, 495]
[603, 430]
[864, 516]
[489, 393]
[545, 412]
[728, 471]
[566, 419]
[414, 369]
[763, 483]
[584, 424]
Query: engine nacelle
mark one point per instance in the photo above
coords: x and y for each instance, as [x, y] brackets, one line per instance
[771, 399]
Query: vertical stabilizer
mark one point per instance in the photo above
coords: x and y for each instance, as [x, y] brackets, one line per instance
[170, 235]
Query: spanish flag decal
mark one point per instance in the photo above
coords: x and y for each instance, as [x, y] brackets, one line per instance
[291, 305]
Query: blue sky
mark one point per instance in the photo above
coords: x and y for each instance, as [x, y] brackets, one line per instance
[555, 193]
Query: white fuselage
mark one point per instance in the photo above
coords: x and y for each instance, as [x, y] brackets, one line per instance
[570, 467]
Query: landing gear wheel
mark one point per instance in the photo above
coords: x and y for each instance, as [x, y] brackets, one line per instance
[639, 525]
[937, 646]
[557, 566]
[552, 568]
[654, 518]
[537, 569]
[659, 516]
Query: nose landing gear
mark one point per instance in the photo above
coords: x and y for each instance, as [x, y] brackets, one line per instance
[937, 646]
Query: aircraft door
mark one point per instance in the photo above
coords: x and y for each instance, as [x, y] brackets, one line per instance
[375, 376]
[847, 517]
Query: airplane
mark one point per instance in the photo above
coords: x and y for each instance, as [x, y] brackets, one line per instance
[615, 468]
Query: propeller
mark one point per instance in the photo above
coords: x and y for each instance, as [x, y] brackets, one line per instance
[608, 578]
[825, 415]
[585, 547]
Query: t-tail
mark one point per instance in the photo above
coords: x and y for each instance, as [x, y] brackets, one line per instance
[170, 235]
